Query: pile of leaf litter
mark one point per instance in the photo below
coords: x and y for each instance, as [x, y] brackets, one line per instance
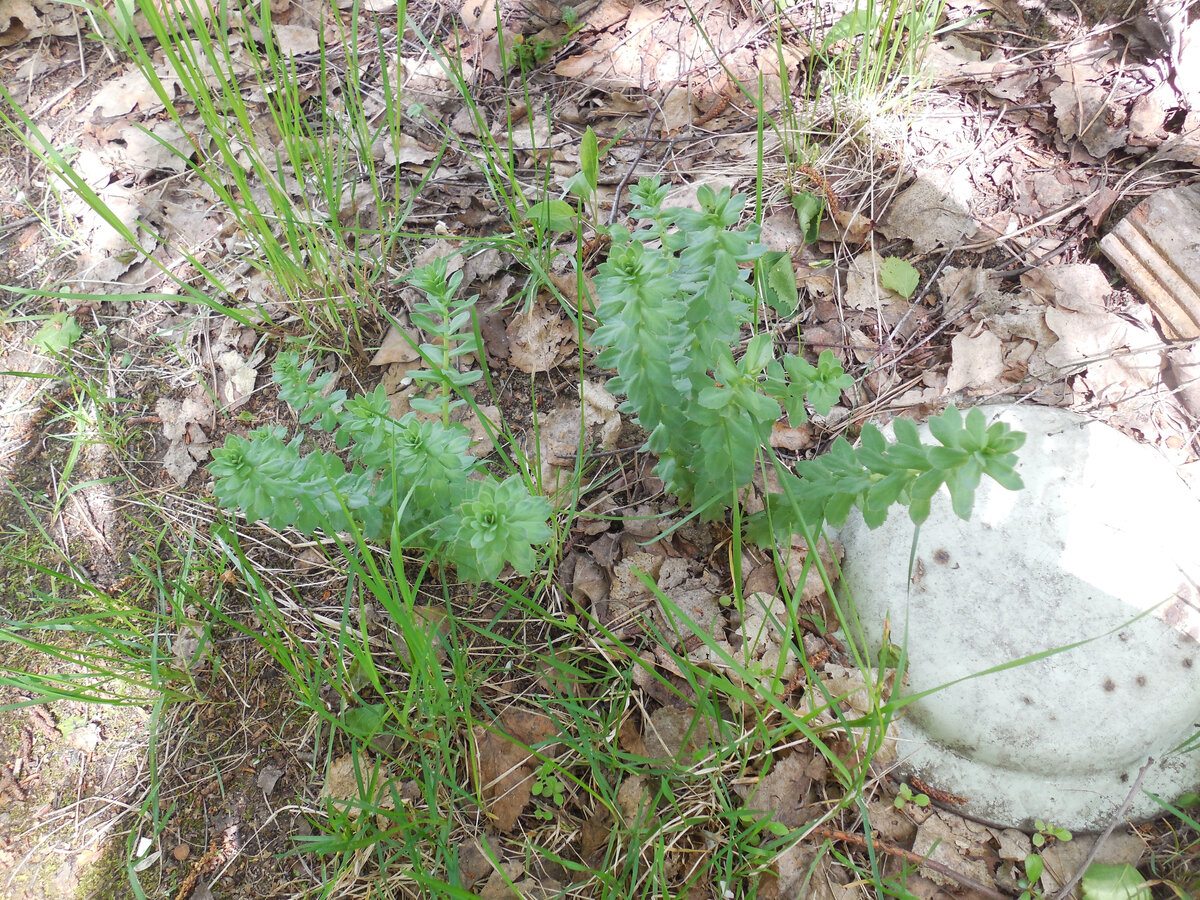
[944, 248]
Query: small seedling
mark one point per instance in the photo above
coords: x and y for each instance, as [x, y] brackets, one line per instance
[1046, 834]
[548, 786]
[906, 796]
[1033, 874]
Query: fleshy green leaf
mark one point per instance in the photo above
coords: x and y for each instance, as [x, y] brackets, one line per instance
[1033, 868]
[1123, 882]
[778, 282]
[897, 275]
[553, 215]
[810, 208]
[589, 158]
[59, 332]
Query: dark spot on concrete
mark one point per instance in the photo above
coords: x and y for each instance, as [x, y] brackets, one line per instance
[1124, 636]
[1109, 686]
[1028, 701]
[1188, 663]
[1124, 777]
[941, 557]
[1141, 681]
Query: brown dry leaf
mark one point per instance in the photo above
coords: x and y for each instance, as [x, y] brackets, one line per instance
[954, 842]
[935, 211]
[673, 732]
[1079, 286]
[268, 777]
[827, 552]
[478, 16]
[86, 737]
[1084, 107]
[559, 432]
[540, 339]
[1184, 146]
[1063, 858]
[890, 823]
[342, 784]
[975, 362]
[405, 150]
[786, 437]
[163, 148]
[181, 422]
[399, 346]
[475, 857]
[635, 802]
[239, 376]
[864, 290]
[295, 40]
[120, 96]
[693, 608]
[784, 792]
[435, 624]
[852, 227]
[191, 646]
[789, 873]
[19, 22]
[505, 778]
[497, 887]
[590, 583]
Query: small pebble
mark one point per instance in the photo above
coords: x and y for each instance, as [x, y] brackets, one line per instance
[181, 852]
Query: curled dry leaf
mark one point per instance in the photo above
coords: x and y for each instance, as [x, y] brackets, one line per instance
[19, 21]
[946, 838]
[239, 377]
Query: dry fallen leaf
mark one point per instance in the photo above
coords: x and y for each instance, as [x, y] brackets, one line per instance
[784, 792]
[405, 150]
[192, 646]
[504, 770]
[947, 838]
[349, 776]
[399, 346]
[935, 211]
[540, 339]
[976, 362]
[268, 777]
[673, 732]
[240, 375]
[19, 21]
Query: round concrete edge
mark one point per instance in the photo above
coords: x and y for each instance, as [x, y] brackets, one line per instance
[1005, 797]
[1028, 797]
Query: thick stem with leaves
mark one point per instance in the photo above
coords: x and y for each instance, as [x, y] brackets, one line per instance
[675, 297]
[408, 480]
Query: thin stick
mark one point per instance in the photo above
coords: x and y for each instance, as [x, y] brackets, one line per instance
[1119, 817]
[612, 213]
[915, 858]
